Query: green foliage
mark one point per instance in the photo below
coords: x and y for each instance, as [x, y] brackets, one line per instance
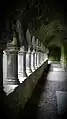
[38, 16]
[54, 53]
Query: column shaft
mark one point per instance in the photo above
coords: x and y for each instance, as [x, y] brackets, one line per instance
[12, 68]
[22, 65]
[28, 62]
[36, 60]
[1, 69]
[33, 60]
[10, 72]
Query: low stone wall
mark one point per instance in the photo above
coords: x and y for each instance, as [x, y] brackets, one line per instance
[18, 98]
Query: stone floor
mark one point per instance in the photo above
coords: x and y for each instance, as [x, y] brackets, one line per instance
[48, 97]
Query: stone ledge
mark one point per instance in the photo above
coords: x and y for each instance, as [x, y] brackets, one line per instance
[19, 97]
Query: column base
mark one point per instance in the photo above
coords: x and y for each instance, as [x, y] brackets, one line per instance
[36, 67]
[28, 71]
[11, 81]
[9, 88]
[33, 69]
[22, 77]
[40, 64]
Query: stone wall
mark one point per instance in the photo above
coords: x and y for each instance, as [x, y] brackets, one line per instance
[18, 98]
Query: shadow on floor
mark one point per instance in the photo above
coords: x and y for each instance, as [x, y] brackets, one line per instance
[43, 102]
[63, 116]
[31, 108]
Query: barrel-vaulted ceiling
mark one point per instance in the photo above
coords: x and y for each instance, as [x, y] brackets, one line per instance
[47, 19]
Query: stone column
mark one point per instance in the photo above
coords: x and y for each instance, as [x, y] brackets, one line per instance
[37, 50]
[11, 59]
[33, 60]
[41, 53]
[33, 54]
[1, 70]
[28, 54]
[22, 64]
[12, 66]
[36, 58]
[28, 62]
[45, 54]
[22, 53]
[4, 64]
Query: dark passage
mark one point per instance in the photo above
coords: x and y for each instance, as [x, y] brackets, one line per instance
[48, 100]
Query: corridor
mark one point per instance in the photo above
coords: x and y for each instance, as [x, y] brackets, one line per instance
[49, 98]
[31, 33]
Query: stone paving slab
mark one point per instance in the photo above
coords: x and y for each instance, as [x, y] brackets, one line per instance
[57, 76]
[61, 101]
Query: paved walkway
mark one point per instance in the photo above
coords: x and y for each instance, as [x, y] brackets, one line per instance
[49, 97]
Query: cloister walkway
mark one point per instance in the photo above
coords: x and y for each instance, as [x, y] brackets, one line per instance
[49, 98]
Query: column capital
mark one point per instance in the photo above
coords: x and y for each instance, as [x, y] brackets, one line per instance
[38, 44]
[12, 47]
[22, 50]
